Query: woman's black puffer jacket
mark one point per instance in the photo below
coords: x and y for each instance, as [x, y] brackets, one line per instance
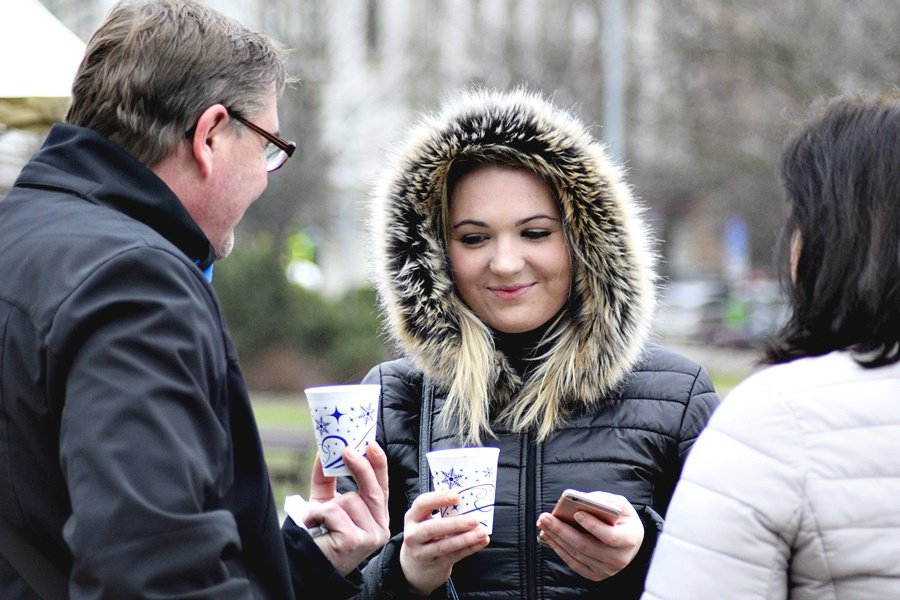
[633, 445]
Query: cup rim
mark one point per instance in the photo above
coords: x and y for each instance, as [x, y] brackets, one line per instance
[477, 451]
[341, 389]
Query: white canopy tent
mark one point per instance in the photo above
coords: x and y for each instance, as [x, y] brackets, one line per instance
[38, 60]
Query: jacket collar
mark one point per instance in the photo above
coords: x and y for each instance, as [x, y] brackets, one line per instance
[80, 161]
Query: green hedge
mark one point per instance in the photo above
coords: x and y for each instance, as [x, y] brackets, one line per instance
[337, 339]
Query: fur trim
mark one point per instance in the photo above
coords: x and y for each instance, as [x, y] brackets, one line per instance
[602, 333]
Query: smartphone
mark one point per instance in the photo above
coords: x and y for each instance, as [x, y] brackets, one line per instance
[572, 501]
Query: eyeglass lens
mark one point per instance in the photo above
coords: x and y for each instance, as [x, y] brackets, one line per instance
[275, 157]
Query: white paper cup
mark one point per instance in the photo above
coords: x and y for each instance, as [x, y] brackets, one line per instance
[471, 473]
[343, 415]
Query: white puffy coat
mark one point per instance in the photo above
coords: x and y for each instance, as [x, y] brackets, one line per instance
[793, 490]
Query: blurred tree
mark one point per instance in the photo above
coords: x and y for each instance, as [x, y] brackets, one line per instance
[710, 86]
[299, 193]
[728, 77]
[289, 337]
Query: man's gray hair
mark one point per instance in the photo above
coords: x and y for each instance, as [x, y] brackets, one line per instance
[154, 66]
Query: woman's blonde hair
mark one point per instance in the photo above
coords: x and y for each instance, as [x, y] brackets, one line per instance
[471, 393]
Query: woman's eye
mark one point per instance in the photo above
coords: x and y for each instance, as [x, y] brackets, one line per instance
[535, 234]
[472, 239]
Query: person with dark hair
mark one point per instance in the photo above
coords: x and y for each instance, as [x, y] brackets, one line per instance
[130, 462]
[791, 492]
[516, 275]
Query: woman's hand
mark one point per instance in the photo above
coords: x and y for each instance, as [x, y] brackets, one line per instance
[357, 522]
[603, 550]
[432, 545]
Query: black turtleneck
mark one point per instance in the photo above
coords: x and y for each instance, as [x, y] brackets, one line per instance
[520, 349]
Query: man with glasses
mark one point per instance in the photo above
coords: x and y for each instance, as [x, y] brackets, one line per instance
[130, 462]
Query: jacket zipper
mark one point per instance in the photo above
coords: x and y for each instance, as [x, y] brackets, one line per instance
[530, 520]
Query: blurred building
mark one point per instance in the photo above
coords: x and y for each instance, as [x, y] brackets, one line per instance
[693, 95]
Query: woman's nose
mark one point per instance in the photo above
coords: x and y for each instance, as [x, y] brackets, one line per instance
[506, 260]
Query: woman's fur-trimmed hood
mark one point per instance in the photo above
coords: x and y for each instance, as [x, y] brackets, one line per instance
[610, 309]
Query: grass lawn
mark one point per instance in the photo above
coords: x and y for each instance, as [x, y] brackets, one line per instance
[275, 410]
[289, 470]
[724, 382]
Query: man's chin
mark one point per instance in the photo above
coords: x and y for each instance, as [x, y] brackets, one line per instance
[225, 247]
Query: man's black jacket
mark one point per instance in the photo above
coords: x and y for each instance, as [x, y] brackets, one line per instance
[128, 450]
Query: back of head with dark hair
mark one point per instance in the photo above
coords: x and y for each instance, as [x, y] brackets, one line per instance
[154, 66]
[841, 176]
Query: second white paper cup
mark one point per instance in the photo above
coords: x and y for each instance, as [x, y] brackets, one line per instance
[343, 415]
[471, 473]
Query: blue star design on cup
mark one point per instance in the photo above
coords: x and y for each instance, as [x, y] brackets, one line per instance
[488, 472]
[322, 426]
[366, 413]
[451, 478]
[337, 414]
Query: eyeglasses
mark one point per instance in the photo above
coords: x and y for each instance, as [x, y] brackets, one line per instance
[277, 151]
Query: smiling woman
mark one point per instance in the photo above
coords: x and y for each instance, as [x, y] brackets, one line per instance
[516, 276]
[507, 249]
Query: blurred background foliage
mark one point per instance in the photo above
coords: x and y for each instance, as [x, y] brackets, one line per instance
[289, 336]
[694, 97]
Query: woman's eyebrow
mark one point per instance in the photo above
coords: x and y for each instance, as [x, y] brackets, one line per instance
[536, 217]
[469, 222]
[519, 223]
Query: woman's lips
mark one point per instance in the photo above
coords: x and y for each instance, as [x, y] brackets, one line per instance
[510, 292]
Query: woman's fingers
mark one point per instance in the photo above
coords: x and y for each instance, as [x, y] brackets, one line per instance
[451, 545]
[423, 506]
[378, 459]
[586, 552]
[358, 511]
[371, 485]
[579, 564]
[321, 487]
[335, 520]
[432, 545]
[471, 549]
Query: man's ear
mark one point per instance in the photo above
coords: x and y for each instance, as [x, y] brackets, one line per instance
[205, 142]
